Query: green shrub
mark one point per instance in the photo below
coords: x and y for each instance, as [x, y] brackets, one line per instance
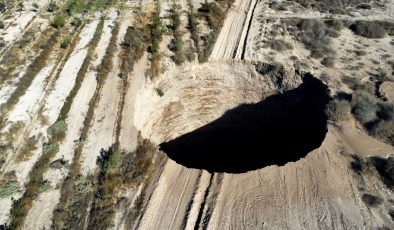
[66, 43]
[371, 200]
[44, 186]
[20, 7]
[159, 92]
[338, 110]
[59, 21]
[368, 29]
[77, 22]
[193, 28]
[52, 7]
[9, 188]
[57, 130]
[50, 148]
[2, 7]
[1, 25]
[176, 44]
[83, 185]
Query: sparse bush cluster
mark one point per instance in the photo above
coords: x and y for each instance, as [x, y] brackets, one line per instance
[156, 32]
[8, 188]
[385, 168]
[213, 13]
[52, 7]
[118, 170]
[372, 29]
[315, 38]
[368, 29]
[193, 28]
[359, 165]
[334, 6]
[57, 130]
[176, 44]
[133, 48]
[2, 7]
[371, 200]
[66, 42]
[214, 16]
[279, 45]
[376, 115]
[58, 21]
[338, 110]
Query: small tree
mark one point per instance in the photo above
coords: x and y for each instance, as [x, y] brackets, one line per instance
[2, 7]
[52, 7]
[65, 43]
[20, 7]
[59, 21]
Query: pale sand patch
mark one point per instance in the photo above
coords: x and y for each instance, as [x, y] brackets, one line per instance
[29, 102]
[42, 210]
[75, 121]
[128, 133]
[55, 100]
[66, 80]
[102, 133]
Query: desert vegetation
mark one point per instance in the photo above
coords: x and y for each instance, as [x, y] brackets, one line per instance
[118, 171]
[176, 45]
[213, 14]
[77, 190]
[376, 115]
[336, 6]
[156, 31]
[371, 200]
[338, 110]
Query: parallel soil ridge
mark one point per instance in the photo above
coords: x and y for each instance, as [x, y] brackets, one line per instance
[280, 129]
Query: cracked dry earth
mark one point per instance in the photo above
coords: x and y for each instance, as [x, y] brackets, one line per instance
[243, 103]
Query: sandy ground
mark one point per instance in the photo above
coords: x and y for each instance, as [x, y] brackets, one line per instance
[378, 52]
[66, 80]
[74, 124]
[17, 27]
[314, 192]
[54, 99]
[318, 191]
[128, 133]
[236, 25]
[30, 101]
[102, 133]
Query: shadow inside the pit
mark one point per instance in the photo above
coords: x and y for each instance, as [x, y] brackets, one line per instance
[280, 129]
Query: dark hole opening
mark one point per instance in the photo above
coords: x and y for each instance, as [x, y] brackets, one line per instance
[280, 129]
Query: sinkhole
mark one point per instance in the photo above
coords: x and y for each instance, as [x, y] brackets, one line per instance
[280, 129]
